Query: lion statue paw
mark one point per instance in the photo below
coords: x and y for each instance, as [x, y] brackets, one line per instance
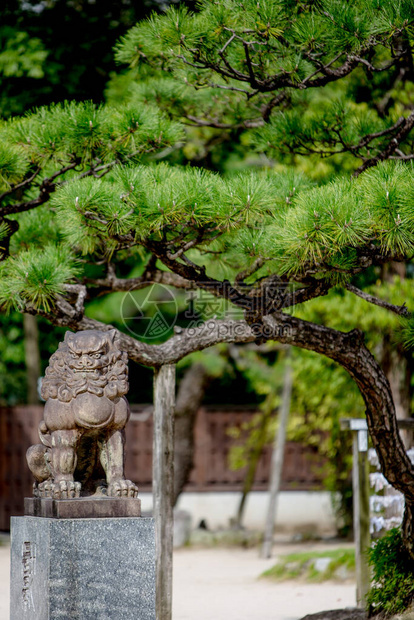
[122, 488]
[64, 489]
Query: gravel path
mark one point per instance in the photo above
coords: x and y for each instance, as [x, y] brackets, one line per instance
[223, 584]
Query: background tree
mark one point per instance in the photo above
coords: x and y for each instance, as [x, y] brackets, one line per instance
[59, 49]
[264, 241]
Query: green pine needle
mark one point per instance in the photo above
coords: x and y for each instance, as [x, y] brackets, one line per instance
[35, 278]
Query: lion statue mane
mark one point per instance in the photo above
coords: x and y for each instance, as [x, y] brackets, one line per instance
[83, 428]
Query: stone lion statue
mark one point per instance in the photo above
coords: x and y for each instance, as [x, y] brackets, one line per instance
[82, 433]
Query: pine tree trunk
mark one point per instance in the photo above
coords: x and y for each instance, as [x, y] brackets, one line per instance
[189, 398]
[408, 527]
[348, 349]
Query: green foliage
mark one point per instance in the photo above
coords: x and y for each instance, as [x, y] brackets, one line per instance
[323, 223]
[13, 379]
[12, 371]
[166, 199]
[84, 132]
[326, 223]
[144, 199]
[227, 63]
[302, 565]
[37, 229]
[13, 165]
[406, 333]
[21, 55]
[251, 437]
[266, 381]
[393, 587]
[322, 395]
[326, 122]
[215, 361]
[388, 192]
[36, 278]
[57, 50]
[286, 29]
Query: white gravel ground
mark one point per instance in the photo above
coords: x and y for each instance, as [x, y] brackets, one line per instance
[223, 584]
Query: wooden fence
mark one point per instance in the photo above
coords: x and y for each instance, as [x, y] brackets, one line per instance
[302, 469]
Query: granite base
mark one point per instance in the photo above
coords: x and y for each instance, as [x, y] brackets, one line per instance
[82, 569]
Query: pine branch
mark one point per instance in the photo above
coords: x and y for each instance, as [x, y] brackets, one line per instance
[283, 80]
[272, 295]
[216, 124]
[249, 123]
[400, 156]
[242, 275]
[47, 187]
[367, 256]
[232, 88]
[363, 142]
[281, 328]
[192, 272]
[393, 145]
[187, 246]
[253, 81]
[81, 293]
[21, 185]
[104, 168]
[400, 310]
[268, 108]
[232, 72]
[112, 284]
[317, 289]
[228, 42]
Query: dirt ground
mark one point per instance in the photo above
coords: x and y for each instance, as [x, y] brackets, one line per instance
[224, 584]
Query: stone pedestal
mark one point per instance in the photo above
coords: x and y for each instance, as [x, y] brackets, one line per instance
[82, 569]
[82, 507]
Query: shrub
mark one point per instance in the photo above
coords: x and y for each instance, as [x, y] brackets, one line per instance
[392, 591]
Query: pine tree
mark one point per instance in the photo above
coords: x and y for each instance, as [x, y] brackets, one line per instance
[84, 196]
[327, 77]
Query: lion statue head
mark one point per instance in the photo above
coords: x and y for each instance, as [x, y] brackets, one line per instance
[87, 361]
